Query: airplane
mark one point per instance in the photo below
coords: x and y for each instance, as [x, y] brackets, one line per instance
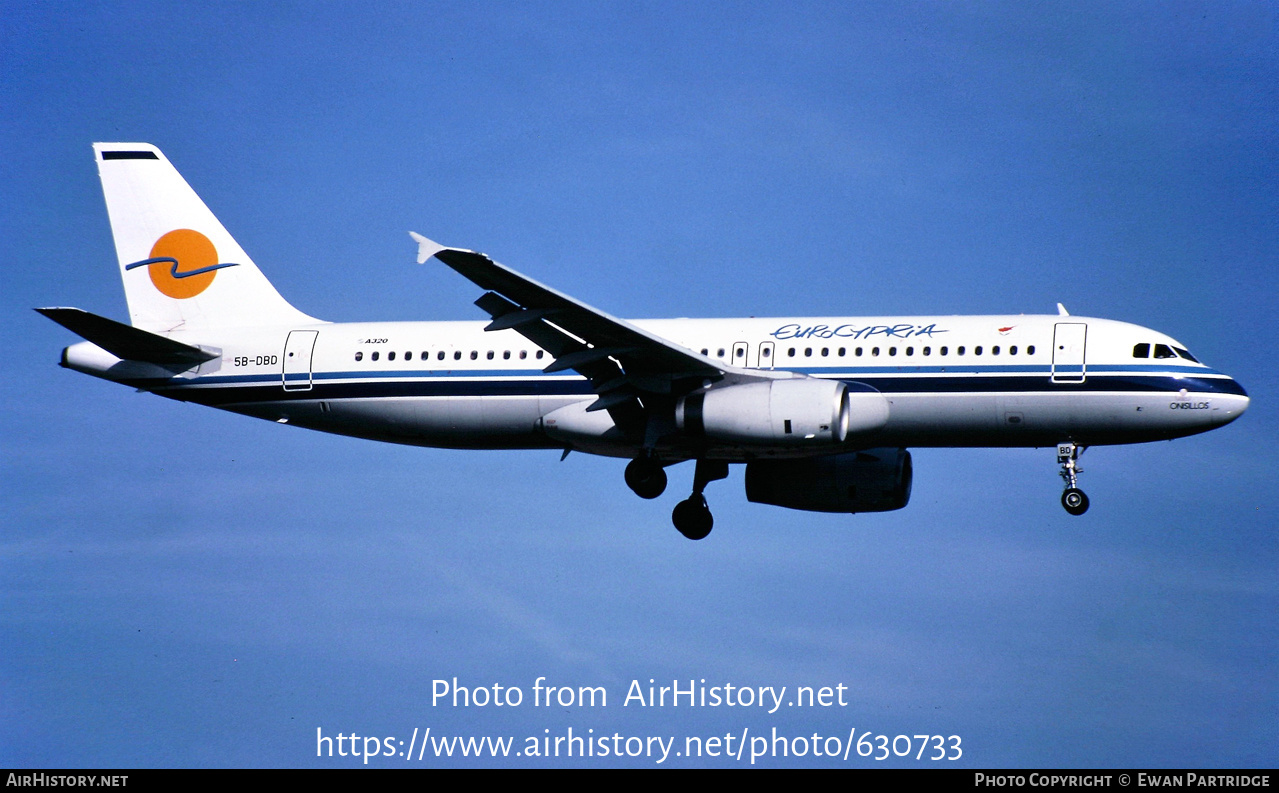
[820, 410]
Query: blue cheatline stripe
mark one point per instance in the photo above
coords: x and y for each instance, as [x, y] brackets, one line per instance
[270, 390]
[400, 374]
[1044, 369]
[842, 372]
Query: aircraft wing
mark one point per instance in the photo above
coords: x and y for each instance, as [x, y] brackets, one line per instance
[623, 362]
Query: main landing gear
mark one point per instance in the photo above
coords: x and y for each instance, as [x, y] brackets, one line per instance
[1073, 499]
[691, 516]
[645, 477]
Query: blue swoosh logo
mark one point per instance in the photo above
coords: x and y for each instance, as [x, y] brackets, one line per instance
[174, 269]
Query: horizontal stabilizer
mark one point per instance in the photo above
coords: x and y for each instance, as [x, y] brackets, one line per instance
[126, 342]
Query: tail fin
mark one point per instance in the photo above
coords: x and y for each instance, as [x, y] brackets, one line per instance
[181, 269]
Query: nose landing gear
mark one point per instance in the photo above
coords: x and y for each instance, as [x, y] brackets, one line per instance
[1073, 499]
[692, 517]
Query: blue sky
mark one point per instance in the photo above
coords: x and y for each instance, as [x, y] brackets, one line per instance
[183, 587]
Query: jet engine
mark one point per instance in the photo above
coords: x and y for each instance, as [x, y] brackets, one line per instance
[872, 480]
[795, 412]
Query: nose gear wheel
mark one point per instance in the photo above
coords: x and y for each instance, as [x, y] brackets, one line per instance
[1073, 499]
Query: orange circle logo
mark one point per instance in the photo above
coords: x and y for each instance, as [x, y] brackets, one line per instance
[187, 263]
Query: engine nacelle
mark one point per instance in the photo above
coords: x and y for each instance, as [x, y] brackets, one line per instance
[872, 480]
[793, 412]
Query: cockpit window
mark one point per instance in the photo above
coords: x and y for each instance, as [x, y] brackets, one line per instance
[1141, 351]
[1186, 354]
[1164, 351]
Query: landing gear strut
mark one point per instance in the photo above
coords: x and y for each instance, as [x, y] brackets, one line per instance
[691, 516]
[645, 477]
[1073, 499]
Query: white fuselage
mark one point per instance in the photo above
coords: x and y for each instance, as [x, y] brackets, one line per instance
[1023, 380]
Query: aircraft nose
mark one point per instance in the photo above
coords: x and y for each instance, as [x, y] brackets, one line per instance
[1233, 404]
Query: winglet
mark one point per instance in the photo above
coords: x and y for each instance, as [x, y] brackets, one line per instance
[425, 248]
[1061, 310]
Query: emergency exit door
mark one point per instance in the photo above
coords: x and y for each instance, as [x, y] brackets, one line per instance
[298, 349]
[1069, 339]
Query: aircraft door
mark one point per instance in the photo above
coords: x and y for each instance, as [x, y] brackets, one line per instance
[765, 355]
[1069, 339]
[298, 349]
[741, 354]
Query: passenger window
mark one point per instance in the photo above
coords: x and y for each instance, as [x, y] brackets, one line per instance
[874, 351]
[489, 355]
[892, 350]
[475, 355]
[408, 356]
[440, 356]
[858, 352]
[959, 350]
[842, 352]
[373, 356]
[1141, 351]
[390, 356]
[359, 356]
[945, 350]
[523, 354]
[506, 355]
[808, 352]
[994, 350]
[1164, 351]
[1030, 350]
[977, 350]
[825, 351]
[910, 350]
[768, 352]
[1012, 350]
[740, 352]
[705, 351]
[457, 356]
[538, 355]
[928, 351]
